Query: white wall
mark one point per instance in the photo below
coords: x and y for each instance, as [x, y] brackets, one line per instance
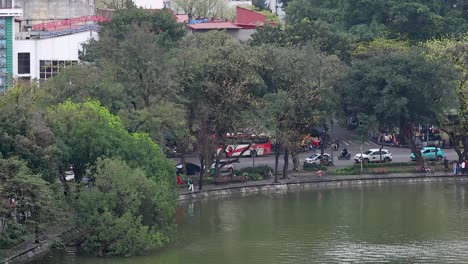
[57, 48]
[149, 4]
[232, 3]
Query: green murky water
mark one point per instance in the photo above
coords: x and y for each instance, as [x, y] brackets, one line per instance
[420, 223]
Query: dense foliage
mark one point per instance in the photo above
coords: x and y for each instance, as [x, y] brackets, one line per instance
[414, 20]
[145, 88]
[122, 212]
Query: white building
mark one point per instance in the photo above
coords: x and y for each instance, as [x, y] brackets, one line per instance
[42, 58]
[232, 3]
[152, 4]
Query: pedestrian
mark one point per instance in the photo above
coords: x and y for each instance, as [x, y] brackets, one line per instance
[179, 180]
[190, 184]
[446, 163]
[337, 143]
[462, 167]
[455, 167]
[270, 174]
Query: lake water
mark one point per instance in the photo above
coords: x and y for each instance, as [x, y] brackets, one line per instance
[418, 223]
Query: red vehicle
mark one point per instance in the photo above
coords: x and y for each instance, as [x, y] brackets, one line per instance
[259, 145]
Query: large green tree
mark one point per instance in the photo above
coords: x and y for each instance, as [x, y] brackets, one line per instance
[220, 81]
[401, 90]
[455, 121]
[24, 132]
[88, 131]
[132, 71]
[122, 213]
[301, 94]
[305, 32]
[29, 203]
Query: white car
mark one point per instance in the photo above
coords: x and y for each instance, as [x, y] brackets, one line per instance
[373, 155]
[228, 168]
[69, 175]
[315, 159]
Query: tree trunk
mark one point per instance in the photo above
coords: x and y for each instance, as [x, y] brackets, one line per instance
[456, 139]
[182, 160]
[410, 139]
[202, 172]
[36, 233]
[217, 167]
[277, 155]
[286, 163]
[295, 160]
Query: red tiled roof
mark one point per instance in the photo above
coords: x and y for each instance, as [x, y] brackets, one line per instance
[246, 16]
[213, 25]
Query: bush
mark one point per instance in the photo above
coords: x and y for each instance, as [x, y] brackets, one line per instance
[209, 180]
[387, 164]
[314, 167]
[371, 168]
[12, 236]
[254, 176]
[262, 170]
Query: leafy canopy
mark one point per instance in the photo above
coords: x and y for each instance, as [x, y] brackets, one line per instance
[122, 211]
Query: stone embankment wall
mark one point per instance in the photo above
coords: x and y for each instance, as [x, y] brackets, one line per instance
[34, 251]
[343, 182]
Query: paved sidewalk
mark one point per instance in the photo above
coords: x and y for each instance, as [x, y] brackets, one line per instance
[310, 177]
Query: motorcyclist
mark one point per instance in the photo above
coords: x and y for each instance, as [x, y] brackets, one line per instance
[344, 152]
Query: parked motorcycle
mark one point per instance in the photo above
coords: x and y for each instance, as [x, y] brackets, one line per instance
[347, 156]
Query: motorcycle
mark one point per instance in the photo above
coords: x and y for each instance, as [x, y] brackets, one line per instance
[342, 157]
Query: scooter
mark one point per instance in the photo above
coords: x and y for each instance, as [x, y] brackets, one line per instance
[347, 156]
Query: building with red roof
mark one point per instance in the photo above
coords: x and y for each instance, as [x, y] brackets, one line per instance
[247, 18]
[246, 23]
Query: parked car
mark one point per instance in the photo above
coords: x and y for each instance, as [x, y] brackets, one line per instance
[429, 153]
[227, 168]
[192, 169]
[315, 159]
[69, 175]
[373, 155]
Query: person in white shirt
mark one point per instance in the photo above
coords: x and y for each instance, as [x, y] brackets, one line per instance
[463, 166]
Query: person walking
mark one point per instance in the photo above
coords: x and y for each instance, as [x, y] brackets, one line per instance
[270, 174]
[190, 184]
[463, 167]
[455, 167]
[446, 164]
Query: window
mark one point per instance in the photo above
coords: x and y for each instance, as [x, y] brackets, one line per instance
[6, 4]
[24, 63]
[50, 68]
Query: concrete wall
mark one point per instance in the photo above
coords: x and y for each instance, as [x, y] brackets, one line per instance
[55, 9]
[245, 34]
[59, 48]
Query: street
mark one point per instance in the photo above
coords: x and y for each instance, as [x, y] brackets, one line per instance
[398, 154]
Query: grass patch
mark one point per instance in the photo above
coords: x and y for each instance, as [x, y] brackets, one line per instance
[382, 168]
